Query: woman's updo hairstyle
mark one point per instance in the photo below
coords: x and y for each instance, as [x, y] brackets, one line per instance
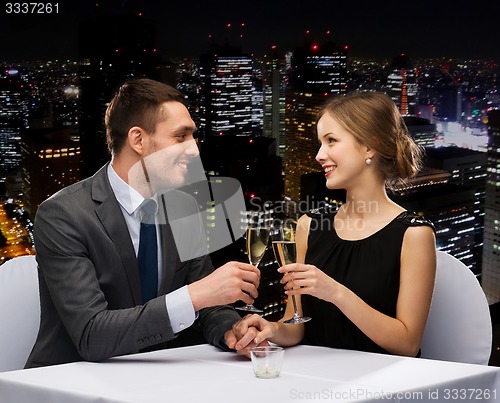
[374, 120]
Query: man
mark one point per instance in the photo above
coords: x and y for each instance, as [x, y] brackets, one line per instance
[96, 301]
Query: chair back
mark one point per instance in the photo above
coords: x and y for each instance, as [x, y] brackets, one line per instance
[19, 311]
[459, 325]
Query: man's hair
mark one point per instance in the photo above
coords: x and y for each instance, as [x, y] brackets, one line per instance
[137, 103]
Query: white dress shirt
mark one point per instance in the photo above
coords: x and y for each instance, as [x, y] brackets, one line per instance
[178, 303]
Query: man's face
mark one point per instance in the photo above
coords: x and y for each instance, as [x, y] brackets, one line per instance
[169, 150]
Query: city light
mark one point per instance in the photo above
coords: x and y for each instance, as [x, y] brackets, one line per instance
[71, 90]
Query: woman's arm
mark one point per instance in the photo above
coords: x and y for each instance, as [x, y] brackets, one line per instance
[401, 335]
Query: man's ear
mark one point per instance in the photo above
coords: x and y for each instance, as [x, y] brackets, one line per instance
[136, 139]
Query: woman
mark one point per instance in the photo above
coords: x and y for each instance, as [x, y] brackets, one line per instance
[365, 272]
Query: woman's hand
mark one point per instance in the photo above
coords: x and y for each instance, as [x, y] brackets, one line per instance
[308, 279]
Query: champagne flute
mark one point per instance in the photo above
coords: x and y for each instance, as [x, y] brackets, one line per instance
[257, 237]
[285, 252]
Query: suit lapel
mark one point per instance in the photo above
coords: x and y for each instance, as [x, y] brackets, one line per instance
[109, 213]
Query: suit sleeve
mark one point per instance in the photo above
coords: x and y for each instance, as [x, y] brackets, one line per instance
[75, 257]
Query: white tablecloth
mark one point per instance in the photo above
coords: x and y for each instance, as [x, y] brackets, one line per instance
[206, 374]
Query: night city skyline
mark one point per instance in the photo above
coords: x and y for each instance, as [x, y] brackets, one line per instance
[369, 29]
[255, 86]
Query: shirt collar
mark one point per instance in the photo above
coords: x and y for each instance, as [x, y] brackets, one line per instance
[129, 198]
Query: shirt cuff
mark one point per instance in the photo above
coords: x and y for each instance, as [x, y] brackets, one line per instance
[180, 309]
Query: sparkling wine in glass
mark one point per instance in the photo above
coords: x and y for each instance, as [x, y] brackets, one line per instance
[257, 237]
[285, 252]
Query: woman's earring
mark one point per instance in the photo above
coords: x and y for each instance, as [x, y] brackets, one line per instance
[368, 161]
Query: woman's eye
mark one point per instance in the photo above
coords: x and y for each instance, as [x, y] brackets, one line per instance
[331, 140]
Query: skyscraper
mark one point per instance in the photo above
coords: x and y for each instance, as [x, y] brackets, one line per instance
[274, 98]
[51, 161]
[491, 250]
[450, 106]
[257, 102]
[13, 118]
[450, 207]
[319, 68]
[467, 169]
[422, 130]
[227, 80]
[317, 71]
[402, 85]
[301, 144]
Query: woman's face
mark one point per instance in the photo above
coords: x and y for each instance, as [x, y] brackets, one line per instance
[341, 156]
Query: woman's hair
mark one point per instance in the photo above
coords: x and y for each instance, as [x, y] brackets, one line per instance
[138, 102]
[374, 120]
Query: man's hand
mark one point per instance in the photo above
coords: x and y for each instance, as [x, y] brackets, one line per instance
[235, 281]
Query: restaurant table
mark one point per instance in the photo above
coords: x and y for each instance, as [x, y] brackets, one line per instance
[204, 373]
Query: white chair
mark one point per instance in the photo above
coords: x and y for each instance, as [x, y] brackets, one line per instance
[459, 325]
[19, 311]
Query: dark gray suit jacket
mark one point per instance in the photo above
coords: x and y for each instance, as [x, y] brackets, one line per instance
[89, 280]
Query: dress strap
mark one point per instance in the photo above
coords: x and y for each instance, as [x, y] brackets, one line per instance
[414, 220]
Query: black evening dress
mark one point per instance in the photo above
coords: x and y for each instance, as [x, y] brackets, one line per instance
[369, 267]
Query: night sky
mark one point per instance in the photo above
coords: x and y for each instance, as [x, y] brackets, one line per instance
[377, 28]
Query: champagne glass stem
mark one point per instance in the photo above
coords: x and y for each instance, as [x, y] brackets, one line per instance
[295, 310]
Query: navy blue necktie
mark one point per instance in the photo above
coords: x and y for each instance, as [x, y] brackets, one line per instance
[147, 256]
